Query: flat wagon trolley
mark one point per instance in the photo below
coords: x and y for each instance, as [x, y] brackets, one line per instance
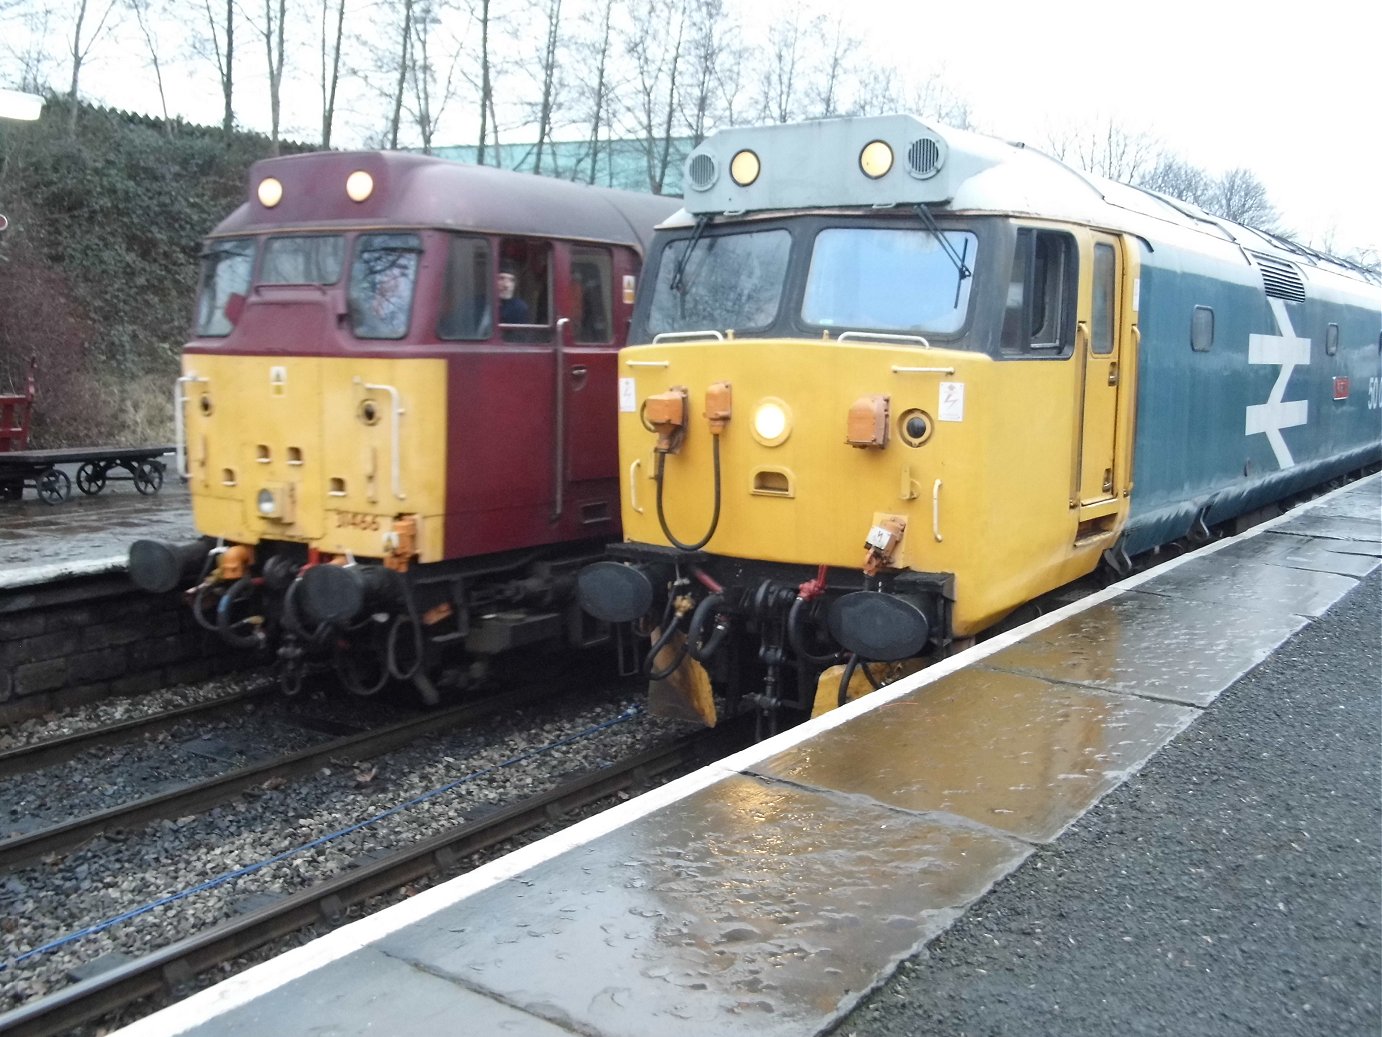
[41, 470]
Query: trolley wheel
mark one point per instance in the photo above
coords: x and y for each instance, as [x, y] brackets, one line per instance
[54, 486]
[91, 478]
[148, 477]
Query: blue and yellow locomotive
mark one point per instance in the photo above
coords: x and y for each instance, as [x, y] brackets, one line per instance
[892, 381]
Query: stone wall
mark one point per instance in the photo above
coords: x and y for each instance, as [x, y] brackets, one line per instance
[84, 639]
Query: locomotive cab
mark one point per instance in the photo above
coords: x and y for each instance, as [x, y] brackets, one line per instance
[883, 393]
[397, 415]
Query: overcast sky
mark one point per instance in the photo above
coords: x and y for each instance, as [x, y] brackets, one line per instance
[1291, 93]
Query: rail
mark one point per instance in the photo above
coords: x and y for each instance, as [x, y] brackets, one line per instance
[169, 967]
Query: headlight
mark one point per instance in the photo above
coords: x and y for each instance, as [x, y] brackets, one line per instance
[744, 168]
[270, 192]
[359, 185]
[772, 422]
[876, 159]
[266, 503]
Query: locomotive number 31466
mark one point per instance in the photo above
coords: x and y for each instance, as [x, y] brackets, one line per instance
[357, 520]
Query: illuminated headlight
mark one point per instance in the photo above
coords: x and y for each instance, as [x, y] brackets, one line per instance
[266, 503]
[876, 159]
[744, 168]
[270, 192]
[772, 422]
[359, 185]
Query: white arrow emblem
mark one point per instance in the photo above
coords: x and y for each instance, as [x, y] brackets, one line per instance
[1286, 351]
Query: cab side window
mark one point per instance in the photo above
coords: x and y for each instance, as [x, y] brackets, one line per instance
[467, 294]
[591, 279]
[523, 289]
[1039, 319]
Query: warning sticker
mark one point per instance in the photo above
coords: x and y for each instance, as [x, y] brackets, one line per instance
[628, 396]
[952, 406]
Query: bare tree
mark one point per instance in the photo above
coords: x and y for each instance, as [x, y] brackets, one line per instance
[656, 47]
[712, 29]
[149, 17]
[219, 42]
[272, 33]
[1239, 196]
[778, 81]
[829, 79]
[84, 37]
[1105, 148]
[552, 10]
[598, 97]
[331, 40]
[430, 90]
[1176, 178]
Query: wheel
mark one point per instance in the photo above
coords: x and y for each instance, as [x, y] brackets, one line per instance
[91, 478]
[54, 486]
[148, 477]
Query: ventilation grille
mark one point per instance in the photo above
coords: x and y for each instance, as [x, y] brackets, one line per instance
[1280, 279]
[702, 172]
[924, 158]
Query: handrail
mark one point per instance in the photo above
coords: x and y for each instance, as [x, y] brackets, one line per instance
[899, 369]
[936, 511]
[180, 423]
[882, 336]
[676, 336]
[633, 485]
[396, 424]
[647, 363]
[559, 439]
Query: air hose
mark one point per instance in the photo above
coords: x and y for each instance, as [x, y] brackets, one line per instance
[715, 516]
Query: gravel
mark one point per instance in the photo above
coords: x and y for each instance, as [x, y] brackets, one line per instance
[48, 901]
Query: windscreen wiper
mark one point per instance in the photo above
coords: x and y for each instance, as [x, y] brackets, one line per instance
[961, 267]
[955, 257]
[679, 274]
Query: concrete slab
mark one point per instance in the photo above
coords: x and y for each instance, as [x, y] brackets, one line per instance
[751, 908]
[1008, 751]
[1152, 645]
[1251, 585]
[369, 992]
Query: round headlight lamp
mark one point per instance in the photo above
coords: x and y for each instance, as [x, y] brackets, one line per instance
[744, 168]
[876, 159]
[265, 502]
[772, 422]
[270, 192]
[359, 185]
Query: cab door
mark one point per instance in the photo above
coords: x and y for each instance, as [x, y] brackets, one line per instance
[1100, 352]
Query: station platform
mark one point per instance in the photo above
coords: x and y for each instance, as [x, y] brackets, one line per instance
[777, 891]
[88, 536]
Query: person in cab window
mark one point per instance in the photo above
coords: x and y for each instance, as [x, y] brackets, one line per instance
[512, 309]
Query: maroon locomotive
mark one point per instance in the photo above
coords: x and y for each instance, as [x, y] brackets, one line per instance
[397, 415]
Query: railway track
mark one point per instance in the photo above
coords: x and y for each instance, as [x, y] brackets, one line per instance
[438, 856]
[52, 751]
[63, 837]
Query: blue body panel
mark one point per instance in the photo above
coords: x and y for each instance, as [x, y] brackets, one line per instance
[1195, 457]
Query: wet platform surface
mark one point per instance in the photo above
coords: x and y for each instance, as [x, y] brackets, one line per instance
[767, 894]
[39, 541]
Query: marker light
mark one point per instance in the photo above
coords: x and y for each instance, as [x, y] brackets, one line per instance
[359, 185]
[772, 422]
[876, 159]
[744, 168]
[270, 192]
